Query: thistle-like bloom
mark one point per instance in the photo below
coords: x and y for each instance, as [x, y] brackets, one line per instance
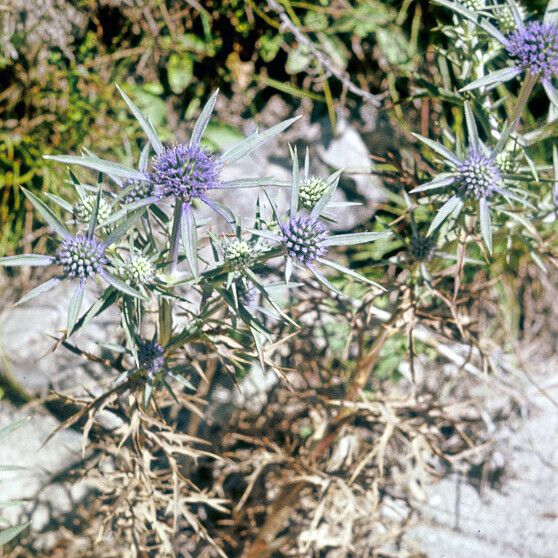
[303, 236]
[81, 257]
[137, 190]
[306, 239]
[421, 248]
[138, 270]
[240, 253]
[532, 47]
[84, 209]
[311, 191]
[185, 172]
[151, 357]
[477, 176]
[182, 173]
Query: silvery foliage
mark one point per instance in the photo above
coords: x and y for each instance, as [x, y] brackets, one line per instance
[149, 255]
[489, 171]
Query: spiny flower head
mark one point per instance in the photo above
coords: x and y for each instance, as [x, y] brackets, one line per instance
[535, 48]
[247, 293]
[479, 174]
[84, 210]
[151, 357]
[138, 270]
[81, 257]
[506, 21]
[421, 248]
[474, 5]
[185, 172]
[137, 190]
[240, 253]
[311, 191]
[303, 236]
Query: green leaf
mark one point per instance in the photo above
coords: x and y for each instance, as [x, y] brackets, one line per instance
[121, 286]
[350, 272]
[498, 76]
[355, 238]
[98, 164]
[75, 306]
[189, 235]
[143, 122]
[440, 149]
[295, 185]
[180, 71]
[254, 141]
[453, 203]
[123, 227]
[34, 260]
[12, 427]
[55, 224]
[298, 59]
[441, 181]
[39, 290]
[472, 131]
[6, 535]
[203, 119]
[485, 224]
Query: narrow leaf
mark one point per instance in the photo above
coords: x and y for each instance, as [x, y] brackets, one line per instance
[355, 238]
[190, 239]
[123, 227]
[121, 286]
[254, 141]
[498, 76]
[444, 212]
[203, 119]
[440, 149]
[485, 224]
[440, 181]
[75, 306]
[472, 131]
[100, 165]
[143, 122]
[39, 290]
[350, 272]
[33, 260]
[55, 224]
[6, 535]
[295, 185]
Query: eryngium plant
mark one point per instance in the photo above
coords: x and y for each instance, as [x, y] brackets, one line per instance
[142, 238]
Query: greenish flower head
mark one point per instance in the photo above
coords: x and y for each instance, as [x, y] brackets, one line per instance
[474, 5]
[240, 253]
[84, 210]
[421, 248]
[311, 191]
[138, 270]
[505, 20]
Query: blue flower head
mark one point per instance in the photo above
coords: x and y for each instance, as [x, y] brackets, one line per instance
[185, 172]
[151, 357]
[303, 236]
[479, 174]
[535, 48]
[81, 257]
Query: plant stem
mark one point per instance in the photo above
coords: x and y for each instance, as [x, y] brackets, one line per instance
[522, 98]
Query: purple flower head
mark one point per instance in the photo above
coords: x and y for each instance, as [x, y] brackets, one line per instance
[479, 174]
[151, 357]
[137, 190]
[303, 237]
[248, 293]
[421, 248]
[535, 48]
[185, 172]
[81, 257]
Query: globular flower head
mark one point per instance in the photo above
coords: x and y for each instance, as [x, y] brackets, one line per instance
[505, 20]
[81, 257]
[240, 253]
[479, 174]
[248, 293]
[84, 210]
[138, 270]
[303, 237]
[311, 191]
[535, 48]
[137, 190]
[185, 172]
[474, 5]
[151, 357]
[421, 248]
